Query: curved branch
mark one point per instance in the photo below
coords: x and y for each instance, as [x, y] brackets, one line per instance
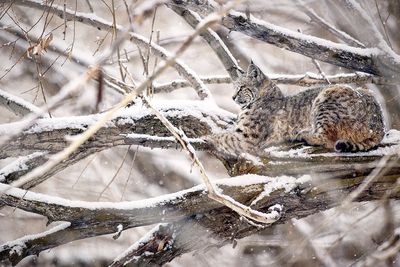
[360, 59]
[203, 218]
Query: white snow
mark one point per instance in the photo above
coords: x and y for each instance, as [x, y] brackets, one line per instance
[160, 138]
[309, 38]
[19, 244]
[317, 76]
[301, 152]
[23, 106]
[256, 161]
[137, 244]
[286, 183]
[391, 142]
[173, 108]
[18, 165]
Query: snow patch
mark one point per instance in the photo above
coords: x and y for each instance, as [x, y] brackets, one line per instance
[18, 245]
[20, 164]
[391, 142]
[174, 108]
[287, 183]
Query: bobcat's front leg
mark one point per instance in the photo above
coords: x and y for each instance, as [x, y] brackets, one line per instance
[229, 145]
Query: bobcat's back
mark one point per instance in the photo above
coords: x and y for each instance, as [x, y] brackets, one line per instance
[336, 117]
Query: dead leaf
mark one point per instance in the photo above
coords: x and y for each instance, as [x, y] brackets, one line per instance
[40, 47]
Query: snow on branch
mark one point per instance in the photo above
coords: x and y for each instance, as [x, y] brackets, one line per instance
[169, 241]
[188, 211]
[134, 125]
[334, 175]
[17, 105]
[329, 27]
[360, 59]
[202, 218]
[20, 166]
[107, 216]
[370, 60]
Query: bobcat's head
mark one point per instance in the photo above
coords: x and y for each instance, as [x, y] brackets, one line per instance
[248, 86]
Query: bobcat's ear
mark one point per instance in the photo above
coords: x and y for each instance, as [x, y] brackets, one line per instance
[255, 73]
[238, 73]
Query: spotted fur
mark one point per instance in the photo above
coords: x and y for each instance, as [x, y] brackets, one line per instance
[336, 117]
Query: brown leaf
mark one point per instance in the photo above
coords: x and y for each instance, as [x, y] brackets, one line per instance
[40, 47]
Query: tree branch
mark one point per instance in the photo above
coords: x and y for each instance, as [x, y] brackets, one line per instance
[17, 105]
[327, 26]
[101, 24]
[373, 61]
[133, 126]
[297, 198]
[212, 38]
[306, 80]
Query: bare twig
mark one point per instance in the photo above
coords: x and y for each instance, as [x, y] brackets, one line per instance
[387, 250]
[212, 38]
[99, 23]
[77, 142]
[332, 29]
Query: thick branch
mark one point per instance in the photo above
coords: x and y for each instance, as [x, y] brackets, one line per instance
[360, 59]
[373, 61]
[336, 175]
[134, 125]
[307, 197]
[327, 26]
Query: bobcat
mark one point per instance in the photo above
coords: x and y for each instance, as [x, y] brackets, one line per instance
[336, 117]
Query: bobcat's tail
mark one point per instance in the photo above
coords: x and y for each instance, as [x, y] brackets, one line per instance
[349, 146]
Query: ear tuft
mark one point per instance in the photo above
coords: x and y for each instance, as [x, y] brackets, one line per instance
[255, 73]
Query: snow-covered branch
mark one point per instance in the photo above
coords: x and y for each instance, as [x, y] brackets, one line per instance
[135, 125]
[106, 216]
[370, 60]
[17, 105]
[191, 211]
[297, 197]
[329, 27]
[21, 166]
[359, 59]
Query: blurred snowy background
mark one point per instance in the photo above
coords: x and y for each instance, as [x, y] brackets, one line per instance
[137, 172]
